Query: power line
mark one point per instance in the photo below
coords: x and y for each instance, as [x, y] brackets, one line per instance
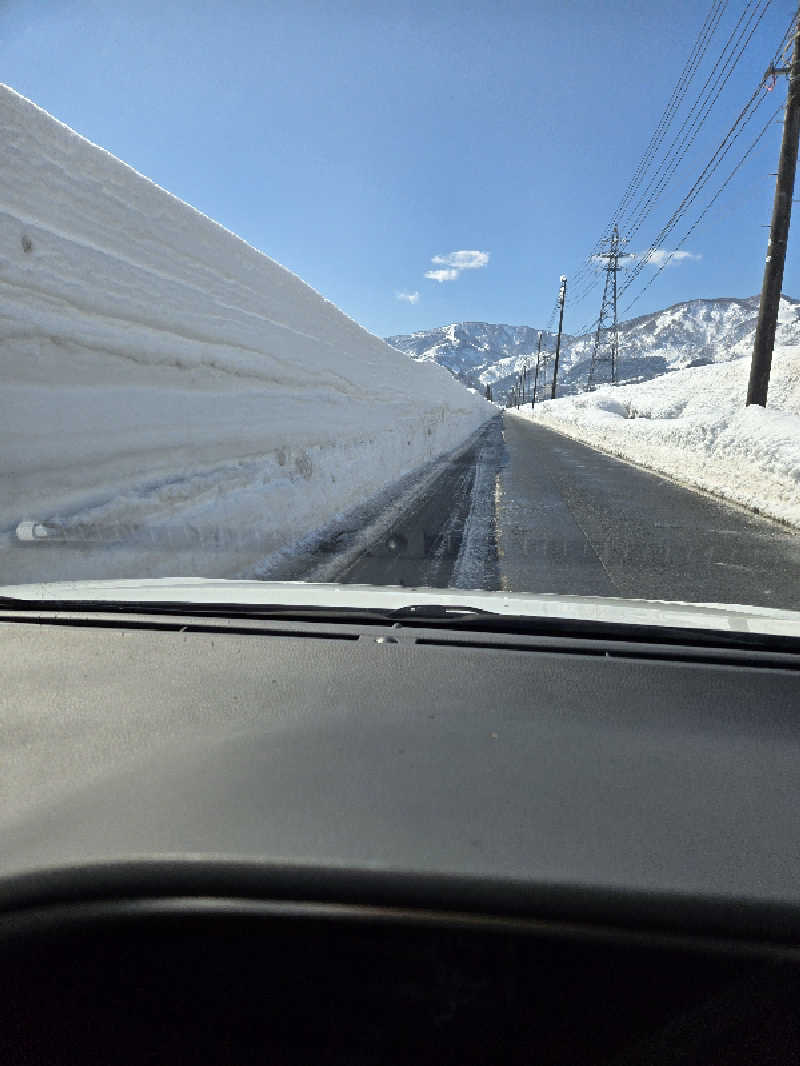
[701, 109]
[583, 281]
[706, 209]
[744, 117]
[586, 279]
[676, 99]
[658, 178]
[691, 126]
[742, 120]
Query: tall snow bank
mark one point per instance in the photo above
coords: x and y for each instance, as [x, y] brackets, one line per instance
[693, 426]
[157, 370]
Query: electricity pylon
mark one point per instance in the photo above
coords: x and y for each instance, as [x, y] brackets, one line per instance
[608, 314]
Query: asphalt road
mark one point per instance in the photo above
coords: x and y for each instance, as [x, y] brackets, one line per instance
[424, 547]
[571, 520]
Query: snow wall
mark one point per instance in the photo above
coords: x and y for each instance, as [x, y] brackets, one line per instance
[159, 373]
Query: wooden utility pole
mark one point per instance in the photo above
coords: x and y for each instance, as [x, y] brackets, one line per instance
[778, 235]
[536, 375]
[561, 298]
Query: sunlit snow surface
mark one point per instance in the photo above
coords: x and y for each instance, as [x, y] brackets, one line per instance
[170, 394]
[693, 425]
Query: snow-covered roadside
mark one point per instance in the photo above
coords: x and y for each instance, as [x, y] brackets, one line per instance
[475, 567]
[692, 425]
[171, 393]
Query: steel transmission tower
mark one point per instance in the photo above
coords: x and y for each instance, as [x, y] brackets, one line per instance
[607, 322]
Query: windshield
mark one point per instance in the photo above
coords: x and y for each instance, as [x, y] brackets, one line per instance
[452, 296]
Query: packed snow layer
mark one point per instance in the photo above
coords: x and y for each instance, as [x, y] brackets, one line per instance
[162, 378]
[693, 425]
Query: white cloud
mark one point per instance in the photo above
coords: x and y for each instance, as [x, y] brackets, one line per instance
[409, 297]
[454, 262]
[442, 275]
[660, 255]
[462, 260]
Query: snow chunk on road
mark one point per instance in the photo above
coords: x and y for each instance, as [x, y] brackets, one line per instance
[693, 426]
[165, 383]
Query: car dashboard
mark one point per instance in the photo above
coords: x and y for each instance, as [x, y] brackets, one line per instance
[231, 839]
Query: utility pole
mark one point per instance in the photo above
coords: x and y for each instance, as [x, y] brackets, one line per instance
[778, 235]
[561, 298]
[536, 375]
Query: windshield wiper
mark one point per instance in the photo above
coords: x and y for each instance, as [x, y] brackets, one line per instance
[450, 611]
[424, 611]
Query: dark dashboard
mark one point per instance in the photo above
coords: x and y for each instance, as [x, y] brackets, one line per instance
[242, 839]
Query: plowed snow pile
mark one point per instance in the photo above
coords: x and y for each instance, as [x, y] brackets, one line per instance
[171, 395]
[693, 426]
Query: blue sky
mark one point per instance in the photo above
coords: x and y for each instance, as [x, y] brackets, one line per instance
[361, 143]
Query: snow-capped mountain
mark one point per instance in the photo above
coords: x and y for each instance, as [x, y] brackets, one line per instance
[695, 332]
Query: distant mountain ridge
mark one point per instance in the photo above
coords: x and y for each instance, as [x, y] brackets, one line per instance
[696, 331]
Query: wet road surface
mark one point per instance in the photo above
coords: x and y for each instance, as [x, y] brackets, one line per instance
[530, 510]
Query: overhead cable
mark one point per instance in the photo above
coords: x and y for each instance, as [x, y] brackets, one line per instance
[696, 118]
[706, 209]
